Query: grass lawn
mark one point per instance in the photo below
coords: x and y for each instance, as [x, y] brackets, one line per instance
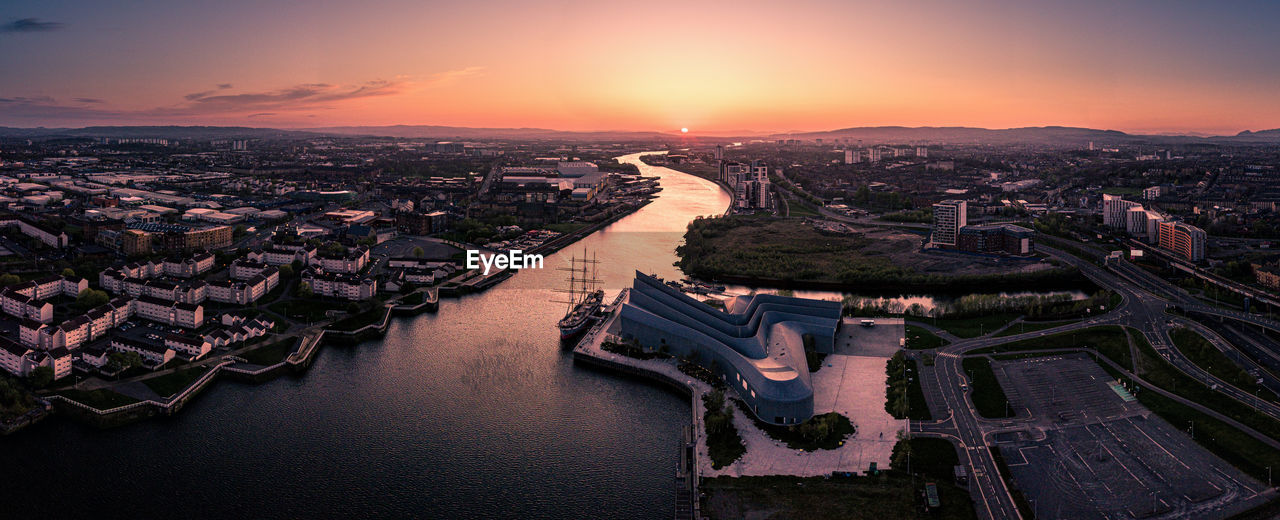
[988, 397]
[1201, 352]
[306, 310]
[904, 397]
[101, 399]
[920, 338]
[268, 355]
[933, 458]
[176, 381]
[799, 209]
[974, 327]
[1159, 372]
[414, 298]
[1031, 326]
[888, 496]
[370, 317]
[565, 227]
[1108, 340]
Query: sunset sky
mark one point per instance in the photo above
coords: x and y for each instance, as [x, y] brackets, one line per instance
[1138, 66]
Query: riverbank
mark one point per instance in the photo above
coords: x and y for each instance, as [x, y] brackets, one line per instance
[804, 254]
[346, 330]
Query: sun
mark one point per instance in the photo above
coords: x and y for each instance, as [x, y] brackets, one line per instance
[684, 130]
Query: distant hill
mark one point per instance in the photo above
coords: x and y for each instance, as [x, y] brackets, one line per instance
[462, 133]
[969, 135]
[1046, 135]
[166, 132]
[1269, 135]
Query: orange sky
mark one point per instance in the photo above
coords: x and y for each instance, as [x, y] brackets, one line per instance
[1143, 66]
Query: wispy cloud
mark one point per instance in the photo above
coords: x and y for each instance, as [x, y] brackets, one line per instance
[223, 101]
[306, 95]
[30, 25]
[449, 76]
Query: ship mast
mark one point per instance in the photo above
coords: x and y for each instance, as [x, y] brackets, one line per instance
[580, 287]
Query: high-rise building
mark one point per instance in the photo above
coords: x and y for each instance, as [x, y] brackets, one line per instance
[848, 156]
[922, 152]
[1115, 211]
[135, 242]
[1182, 239]
[1152, 193]
[873, 154]
[948, 217]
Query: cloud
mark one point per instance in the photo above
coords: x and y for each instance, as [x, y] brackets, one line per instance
[20, 100]
[92, 101]
[305, 95]
[449, 76]
[262, 114]
[30, 25]
[224, 86]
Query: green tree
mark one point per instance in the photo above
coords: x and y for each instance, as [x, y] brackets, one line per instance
[90, 298]
[69, 272]
[286, 271]
[304, 290]
[418, 252]
[8, 279]
[41, 377]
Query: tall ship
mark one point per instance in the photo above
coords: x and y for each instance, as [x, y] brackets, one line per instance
[583, 297]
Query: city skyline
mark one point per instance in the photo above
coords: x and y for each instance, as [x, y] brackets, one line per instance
[1139, 67]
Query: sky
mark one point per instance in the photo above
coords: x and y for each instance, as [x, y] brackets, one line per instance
[1144, 66]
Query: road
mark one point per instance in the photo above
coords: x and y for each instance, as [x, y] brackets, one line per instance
[1145, 300]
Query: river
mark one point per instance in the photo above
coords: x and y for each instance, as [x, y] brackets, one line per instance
[475, 411]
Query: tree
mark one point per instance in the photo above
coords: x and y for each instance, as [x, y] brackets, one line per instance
[124, 360]
[304, 290]
[8, 279]
[418, 252]
[69, 272]
[286, 271]
[41, 377]
[90, 298]
[353, 308]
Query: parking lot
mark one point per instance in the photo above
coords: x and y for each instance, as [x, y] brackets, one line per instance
[1094, 452]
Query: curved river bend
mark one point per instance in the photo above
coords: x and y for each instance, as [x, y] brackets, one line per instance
[475, 411]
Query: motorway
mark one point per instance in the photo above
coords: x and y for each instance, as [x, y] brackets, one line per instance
[1145, 299]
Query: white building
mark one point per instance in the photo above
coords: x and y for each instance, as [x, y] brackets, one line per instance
[948, 217]
[1115, 211]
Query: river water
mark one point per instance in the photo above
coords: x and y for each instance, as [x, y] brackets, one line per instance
[475, 411]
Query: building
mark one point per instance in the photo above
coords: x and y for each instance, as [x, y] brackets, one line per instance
[1183, 240]
[186, 315]
[1144, 223]
[1002, 239]
[39, 231]
[1115, 211]
[351, 262]
[419, 223]
[343, 286]
[735, 344]
[1152, 193]
[14, 358]
[873, 154]
[196, 265]
[154, 355]
[135, 242]
[948, 217]
[195, 348]
[922, 152]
